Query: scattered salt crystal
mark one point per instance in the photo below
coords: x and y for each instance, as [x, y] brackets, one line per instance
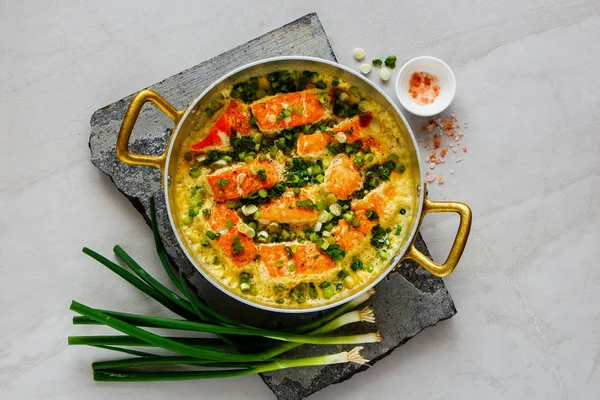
[454, 150]
[458, 160]
[451, 172]
[431, 165]
[443, 160]
[451, 144]
[456, 138]
[431, 178]
[428, 158]
[460, 133]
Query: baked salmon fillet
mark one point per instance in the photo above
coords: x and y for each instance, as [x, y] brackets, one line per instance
[238, 247]
[240, 180]
[341, 177]
[348, 236]
[233, 119]
[354, 129]
[300, 259]
[285, 210]
[285, 111]
[383, 200]
[313, 145]
[219, 216]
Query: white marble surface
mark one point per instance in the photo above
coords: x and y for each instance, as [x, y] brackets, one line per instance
[527, 289]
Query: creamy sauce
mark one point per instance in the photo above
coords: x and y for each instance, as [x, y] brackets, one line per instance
[302, 233]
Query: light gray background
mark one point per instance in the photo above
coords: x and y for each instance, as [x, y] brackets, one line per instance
[527, 289]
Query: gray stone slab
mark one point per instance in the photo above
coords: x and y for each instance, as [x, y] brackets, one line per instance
[408, 301]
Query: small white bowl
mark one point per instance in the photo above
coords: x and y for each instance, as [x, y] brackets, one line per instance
[433, 66]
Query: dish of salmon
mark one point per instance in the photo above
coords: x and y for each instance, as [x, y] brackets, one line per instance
[294, 189]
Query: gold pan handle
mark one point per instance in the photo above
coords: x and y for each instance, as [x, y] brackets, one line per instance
[460, 240]
[129, 120]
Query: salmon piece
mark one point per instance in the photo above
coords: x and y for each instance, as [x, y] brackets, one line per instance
[224, 183]
[227, 243]
[232, 119]
[314, 144]
[285, 210]
[341, 177]
[239, 180]
[347, 236]
[277, 262]
[251, 182]
[306, 109]
[381, 200]
[359, 126]
[351, 128]
[219, 215]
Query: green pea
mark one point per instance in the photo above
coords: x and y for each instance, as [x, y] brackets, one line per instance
[188, 220]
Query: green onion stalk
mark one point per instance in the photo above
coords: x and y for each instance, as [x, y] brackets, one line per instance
[118, 375]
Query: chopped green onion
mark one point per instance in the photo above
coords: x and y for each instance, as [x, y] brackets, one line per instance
[194, 172]
[356, 264]
[222, 183]
[342, 274]
[390, 62]
[328, 291]
[371, 214]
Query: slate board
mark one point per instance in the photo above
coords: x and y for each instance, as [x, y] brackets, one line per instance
[408, 301]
